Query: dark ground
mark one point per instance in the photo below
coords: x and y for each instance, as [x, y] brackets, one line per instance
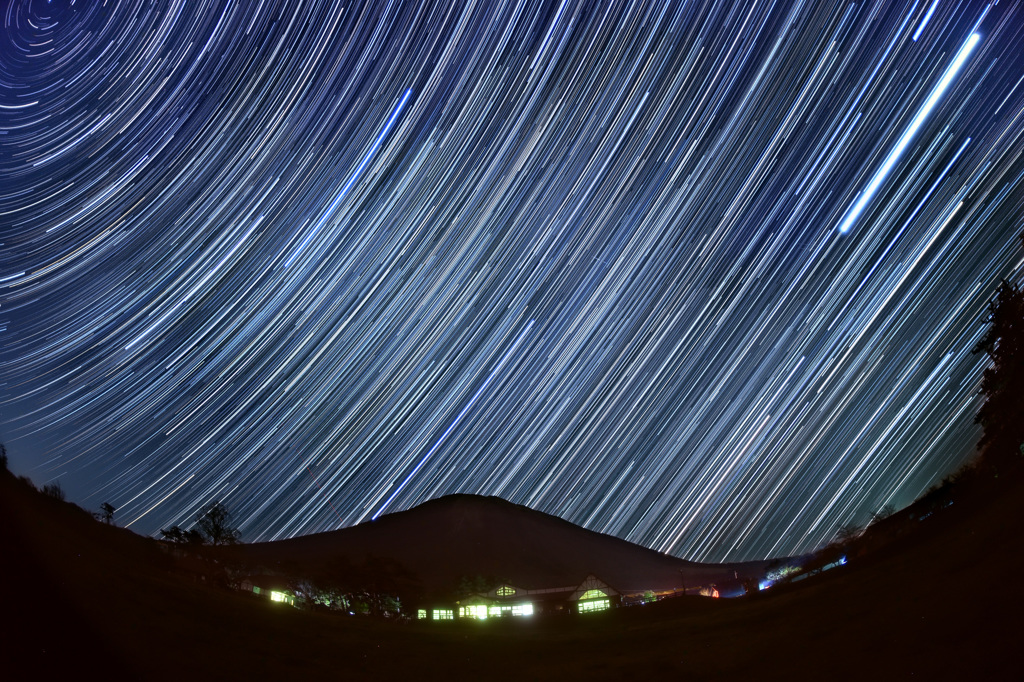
[935, 599]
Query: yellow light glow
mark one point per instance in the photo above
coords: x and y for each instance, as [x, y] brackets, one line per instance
[473, 611]
[595, 605]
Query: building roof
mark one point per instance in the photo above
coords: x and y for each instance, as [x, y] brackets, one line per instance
[592, 582]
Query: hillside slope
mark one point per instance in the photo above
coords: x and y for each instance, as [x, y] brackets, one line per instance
[435, 544]
[940, 601]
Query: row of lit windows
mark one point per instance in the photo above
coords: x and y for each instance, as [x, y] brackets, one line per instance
[515, 610]
[280, 596]
[595, 605]
[473, 611]
[439, 614]
[482, 611]
[274, 595]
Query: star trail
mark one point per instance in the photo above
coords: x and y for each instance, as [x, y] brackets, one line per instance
[705, 276]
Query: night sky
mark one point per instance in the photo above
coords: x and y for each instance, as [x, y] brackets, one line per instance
[702, 276]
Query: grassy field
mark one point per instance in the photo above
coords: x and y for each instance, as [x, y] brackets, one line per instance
[941, 602]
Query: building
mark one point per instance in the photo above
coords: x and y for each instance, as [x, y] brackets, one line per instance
[594, 595]
[268, 587]
[511, 601]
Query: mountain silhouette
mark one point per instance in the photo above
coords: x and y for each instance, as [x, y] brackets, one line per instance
[440, 541]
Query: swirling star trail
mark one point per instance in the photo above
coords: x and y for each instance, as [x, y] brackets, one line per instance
[705, 276]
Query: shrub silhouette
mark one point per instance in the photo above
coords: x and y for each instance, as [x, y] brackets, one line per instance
[54, 490]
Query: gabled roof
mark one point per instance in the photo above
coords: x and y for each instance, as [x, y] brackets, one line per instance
[592, 582]
[506, 591]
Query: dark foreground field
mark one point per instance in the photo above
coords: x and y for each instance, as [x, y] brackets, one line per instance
[88, 600]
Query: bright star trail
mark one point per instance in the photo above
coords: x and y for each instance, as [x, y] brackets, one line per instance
[704, 276]
[915, 125]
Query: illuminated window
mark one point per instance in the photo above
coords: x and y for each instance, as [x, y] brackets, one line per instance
[473, 611]
[595, 605]
[443, 614]
[422, 613]
[506, 591]
[592, 594]
[280, 596]
[256, 590]
[499, 610]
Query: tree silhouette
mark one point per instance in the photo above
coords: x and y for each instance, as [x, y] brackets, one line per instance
[882, 514]
[107, 512]
[848, 533]
[1002, 414]
[182, 537]
[214, 528]
[214, 522]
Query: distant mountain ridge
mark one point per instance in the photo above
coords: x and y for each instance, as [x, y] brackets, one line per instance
[432, 546]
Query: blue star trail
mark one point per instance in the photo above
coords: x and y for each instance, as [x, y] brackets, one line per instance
[705, 276]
